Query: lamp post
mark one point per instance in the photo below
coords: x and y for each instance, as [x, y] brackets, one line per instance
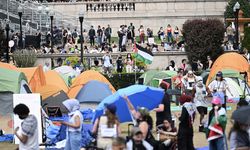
[20, 13]
[236, 10]
[40, 17]
[81, 17]
[51, 30]
[7, 29]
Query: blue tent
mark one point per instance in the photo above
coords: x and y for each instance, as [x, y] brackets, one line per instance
[139, 95]
[93, 92]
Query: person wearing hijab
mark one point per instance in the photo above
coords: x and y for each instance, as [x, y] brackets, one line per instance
[185, 133]
[74, 125]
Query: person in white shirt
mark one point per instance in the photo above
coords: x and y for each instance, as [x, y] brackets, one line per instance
[219, 87]
[74, 125]
[107, 63]
[46, 67]
[27, 133]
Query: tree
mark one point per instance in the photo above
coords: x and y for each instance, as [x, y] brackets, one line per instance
[244, 6]
[203, 37]
[245, 42]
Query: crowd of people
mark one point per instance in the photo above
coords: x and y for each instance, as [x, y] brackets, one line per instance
[97, 40]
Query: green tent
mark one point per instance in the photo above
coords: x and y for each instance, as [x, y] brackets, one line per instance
[151, 76]
[229, 73]
[11, 80]
[165, 74]
[147, 76]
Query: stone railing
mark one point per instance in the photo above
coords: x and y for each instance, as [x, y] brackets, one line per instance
[104, 7]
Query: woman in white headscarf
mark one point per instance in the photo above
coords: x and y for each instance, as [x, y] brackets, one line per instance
[74, 136]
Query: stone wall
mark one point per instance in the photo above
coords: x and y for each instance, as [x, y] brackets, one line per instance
[161, 59]
[150, 13]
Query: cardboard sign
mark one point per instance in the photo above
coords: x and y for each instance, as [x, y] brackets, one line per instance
[151, 40]
[33, 102]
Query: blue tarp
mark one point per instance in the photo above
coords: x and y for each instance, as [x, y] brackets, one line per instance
[93, 92]
[139, 95]
[6, 138]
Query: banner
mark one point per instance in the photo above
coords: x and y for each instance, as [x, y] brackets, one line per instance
[33, 102]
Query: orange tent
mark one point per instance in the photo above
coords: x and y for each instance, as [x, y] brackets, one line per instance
[35, 76]
[53, 78]
[84, 78]
[7, 66]
[232, 61]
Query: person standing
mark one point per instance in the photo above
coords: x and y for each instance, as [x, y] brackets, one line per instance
[230, 33]
[107, 63]
[184, 65]
[161, 35]
[99, 35]
[176, 34]
[169, 33]
[120, 33]
[119, 64]
[217, 121]
[219, 87]
[209, 62]
[108, 33]
[92, 36]
[142, 34]
[132, 30]
[74, 126]
[185, 133]
[129, 63]
[172, 66]
[107, 123]
[200, 92]
[27, 133]
[163, 111]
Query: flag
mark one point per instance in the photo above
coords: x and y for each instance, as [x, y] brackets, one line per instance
[143, 54]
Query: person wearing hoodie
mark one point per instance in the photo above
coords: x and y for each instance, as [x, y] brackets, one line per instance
[74, 125]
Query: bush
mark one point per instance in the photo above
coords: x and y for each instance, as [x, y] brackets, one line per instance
[123, 80]
[203, 38]
[246, 40]
[244, 6]
[24, 58]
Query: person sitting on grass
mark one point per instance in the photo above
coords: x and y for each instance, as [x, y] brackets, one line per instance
[27, 133]
[168, 135]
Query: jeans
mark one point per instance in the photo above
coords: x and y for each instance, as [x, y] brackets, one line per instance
[73, 141]
[217, 144]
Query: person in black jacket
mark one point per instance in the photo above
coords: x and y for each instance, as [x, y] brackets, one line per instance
[119, 64]
[92, 36]
[185, 133]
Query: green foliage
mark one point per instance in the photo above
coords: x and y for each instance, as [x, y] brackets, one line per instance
[246, 40]
[244, 6]
[24, 58]
[123, 80]
[72, 60]
[203, 38]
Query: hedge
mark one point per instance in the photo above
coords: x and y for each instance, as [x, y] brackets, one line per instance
[122, 80]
